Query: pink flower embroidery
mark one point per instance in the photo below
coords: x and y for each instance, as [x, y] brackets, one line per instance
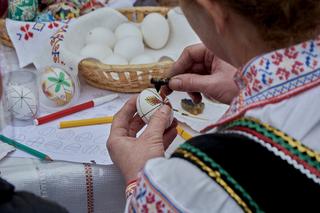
[27, 33]
[291, 53]
[160, 206]
[256, 85]
[277, 58]
[297, 68]
[150, 198]
[283, 74]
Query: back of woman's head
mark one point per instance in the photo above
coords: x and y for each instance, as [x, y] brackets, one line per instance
[280, 22]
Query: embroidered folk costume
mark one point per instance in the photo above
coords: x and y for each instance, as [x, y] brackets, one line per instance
[264, 156]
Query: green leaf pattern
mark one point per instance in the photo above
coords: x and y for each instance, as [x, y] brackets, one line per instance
[59, 82]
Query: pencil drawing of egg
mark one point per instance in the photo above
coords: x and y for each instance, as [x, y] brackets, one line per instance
[148, 102]
[21, 102]
[57, 85]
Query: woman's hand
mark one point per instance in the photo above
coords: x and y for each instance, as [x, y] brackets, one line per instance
[130, 153]
[199, 71]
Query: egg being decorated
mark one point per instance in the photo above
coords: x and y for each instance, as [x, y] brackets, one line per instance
[96, 51]
[143, 59]
[115, 60]
[57, 85]
[155, 30]
[148, 102]
[126, 30]
[21, 102]
[102, 36]
[129, 47]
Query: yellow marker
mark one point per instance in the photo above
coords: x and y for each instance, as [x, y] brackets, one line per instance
[185, 135]
[86, 122]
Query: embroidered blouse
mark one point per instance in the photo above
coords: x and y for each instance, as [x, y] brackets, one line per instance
[277, 108]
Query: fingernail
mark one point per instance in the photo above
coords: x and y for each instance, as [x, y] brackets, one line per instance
[176, 82]
[165, 109]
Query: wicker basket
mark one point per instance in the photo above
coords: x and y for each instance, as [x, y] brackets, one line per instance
[124, 78]
[4, 37]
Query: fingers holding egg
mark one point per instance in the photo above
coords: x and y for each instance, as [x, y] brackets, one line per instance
[148, 102]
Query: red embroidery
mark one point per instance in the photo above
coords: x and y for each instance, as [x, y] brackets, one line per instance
[277, 58]
[27, 33]
[53, 24]
[297, 68]
[283, 74]
[256, 86]
[291, 53]
[148, 199]
[291, 71]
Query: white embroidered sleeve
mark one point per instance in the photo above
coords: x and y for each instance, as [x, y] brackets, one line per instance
[175, 185]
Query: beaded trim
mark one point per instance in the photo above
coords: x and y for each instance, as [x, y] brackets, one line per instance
[221, 176]
[131, 187]
[301, 157]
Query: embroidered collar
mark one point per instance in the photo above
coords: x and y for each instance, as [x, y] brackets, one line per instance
[274, 77]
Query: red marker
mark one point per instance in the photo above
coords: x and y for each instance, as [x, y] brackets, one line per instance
[90, 104]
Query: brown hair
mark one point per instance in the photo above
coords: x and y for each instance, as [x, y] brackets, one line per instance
[280, 22]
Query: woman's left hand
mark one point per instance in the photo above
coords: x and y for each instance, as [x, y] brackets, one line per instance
[130, 153]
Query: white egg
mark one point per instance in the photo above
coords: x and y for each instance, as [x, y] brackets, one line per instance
[148, 102]
[102, 36]
[127, 30]
[143, 59]
[96, 51]
[129, 47]
[21, 102]
[155, 30]
[115, 60]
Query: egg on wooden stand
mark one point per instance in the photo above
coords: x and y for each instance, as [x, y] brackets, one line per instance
[21, 102]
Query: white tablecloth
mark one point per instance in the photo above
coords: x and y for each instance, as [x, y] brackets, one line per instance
[78, 187]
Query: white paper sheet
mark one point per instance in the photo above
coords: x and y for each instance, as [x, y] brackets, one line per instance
[83, 144]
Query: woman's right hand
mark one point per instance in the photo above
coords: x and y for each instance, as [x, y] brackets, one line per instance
[199, 71]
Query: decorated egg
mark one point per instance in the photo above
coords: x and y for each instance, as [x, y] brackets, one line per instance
[23, 10]
[126, 30]
[21, 102]
[129, 47]
[155, 30]
[96, 51]
[57, 85]
[90, 5]
[64, 10]
[115, 60]
[143, 59]
[102, 36]
[148, 102]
